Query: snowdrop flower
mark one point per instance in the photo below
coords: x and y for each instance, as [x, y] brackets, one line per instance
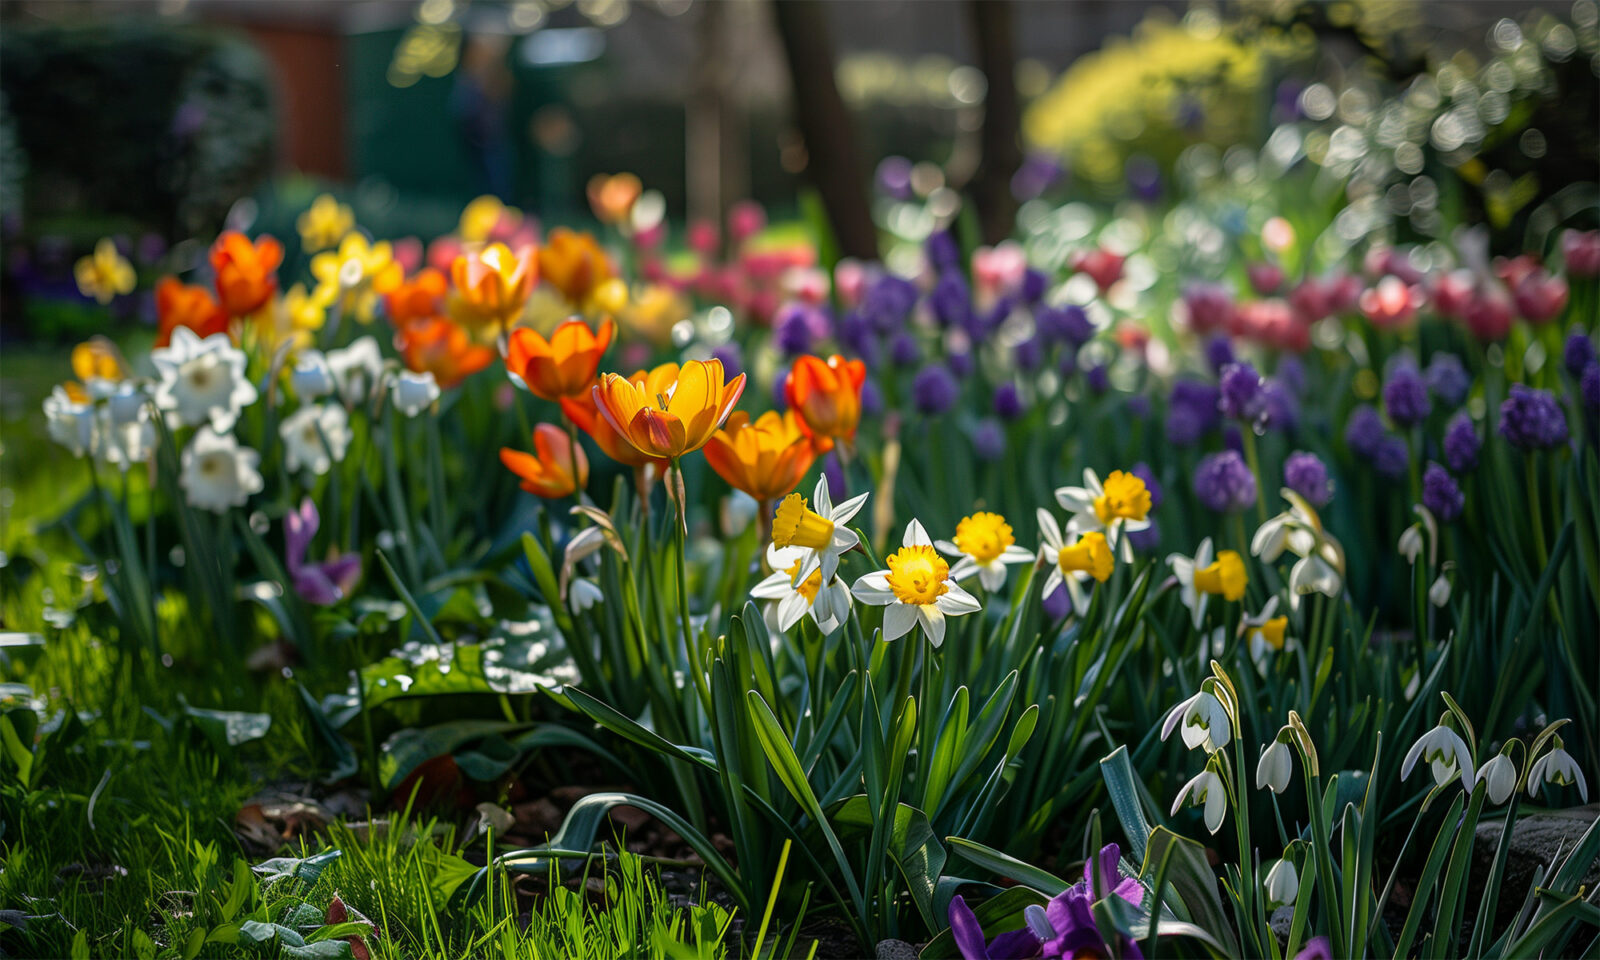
[1265, 634]
[1446, 752]
[1201, 576]
[916, 589]
[1205, 790]
[828, 603]
[1299, 530]
[985, 544]
[1559, 768]
[1276, 766]
[1412, 541]
[1282, 883]
[1204, 721]
[312, 378]
[821, 529]
[315, 437]
[356, 369]
[1075, 563]
[584, 593]
[217, 473]
[69, 414]
[1120, 505]
[1439, 593]
[1500, 775]
[202, 379]
[414, 392]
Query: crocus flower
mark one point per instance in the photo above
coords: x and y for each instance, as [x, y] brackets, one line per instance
[493, 284]
[323, 584]
[246, 273]
[573, 263]
[564, 365]
[1532, 419]
[826, 396]
[1317, 948]
[1405, 396]
[105, 273]
[916, 589]
[765, 458]
[1446, 752]
[1441, 494]
[1557, 767]
[548, 472]
[1219, 353]
[1224, 483]
[671, 410]
[443, 349]
[1018, 944]
[827, 603]
[819, 528]
[1307, 475]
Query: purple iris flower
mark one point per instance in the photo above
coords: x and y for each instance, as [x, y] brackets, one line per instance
[323, 584]
[1307, 475]
[1532, 419]
[1461, 443]
[1441, 494]
[1224, 483]
[1064, 928]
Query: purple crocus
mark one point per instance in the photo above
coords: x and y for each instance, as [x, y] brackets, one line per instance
[1239, 397]
[1405, 396]
[1224, 483]
[1461, 443]
[1447, 379]
[1532, 419]
[1307, 475]
[934, 389]
[1441, 494]
[1056, 604]
[1064, 928]
[1317, 948]
[323, 584]
[968, 935]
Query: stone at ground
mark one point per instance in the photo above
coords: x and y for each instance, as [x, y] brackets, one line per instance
[1538, 839]
[896, 950]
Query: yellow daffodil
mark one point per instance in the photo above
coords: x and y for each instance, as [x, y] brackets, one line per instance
[356, 275]
[1120, 505]
[324, 223]
[1087, 557]
[985, 544]
[479, 217]
[916, 589]
[104, 274]
[1205, 575]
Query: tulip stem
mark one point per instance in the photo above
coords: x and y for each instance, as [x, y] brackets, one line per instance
[681, 532]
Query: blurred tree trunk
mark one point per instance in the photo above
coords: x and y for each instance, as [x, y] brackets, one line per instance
[1002, 118]
[833, 156]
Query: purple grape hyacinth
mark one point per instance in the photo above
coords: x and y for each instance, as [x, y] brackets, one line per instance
[1532, 419]
[1239, 396]
[1307, 475]
[1462, 443]
[934, 389]
[1405, 396]
[1224, 483]
[1441, 494]
[1578, 353]
[1008, 401]
[1447, 379]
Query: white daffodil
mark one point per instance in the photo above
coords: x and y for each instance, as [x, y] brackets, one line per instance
[1090, 557]
[202, 379]
[916, 589]
[1276, 767]
[312, 378]
[819, 529]
[1120, 505]
[127, 403]
[315, 437]
[1206, 790]
[1204, 575]
[985, 544]
[1299, 530]
[1265, 634]
[356, 369]
[70, 417]
[1204, 722]
[1559, 768]
[1500, 778]
[583, 594]
[124, 444]
[828, 603]
[1446, 752]
[414, 392]
[1282, 883]
[218, 473]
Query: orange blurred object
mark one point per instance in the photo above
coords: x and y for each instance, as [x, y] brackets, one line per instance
[443, 348]
[671, 410]
[612, 197]
[563, 366]
[573, 263]
[246, 273]
[420, 298]
[548, 472]
[179, 304]
[826, 394]
[765, 459]
[493, 283]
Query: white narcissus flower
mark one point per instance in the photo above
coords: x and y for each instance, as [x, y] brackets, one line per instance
[356, 369]
[819, 529]
[1265, 634]
[202, 379]
[1559, 768]
[1206, 790]
[1446, 752]
[985, 543]
[1090, 557]
[312, 378]
[916, 589]
[1120, 505]
[414, 392]
[827, 603]
[315, 437]
[69, 414]
[127, 403]
[1282, 883]
[1500, 778]
[218, 473]
[1275, 768]
[1203, 720]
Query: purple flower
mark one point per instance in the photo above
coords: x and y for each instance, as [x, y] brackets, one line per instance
[1292, 374]
[780, 389]
[1239, 397]
[1147, 540]
[871, 398]
[942, 252]
[888, 301]
[1364, 432]
[1219, 352]
[732, 358]
[1098, 378]
[1317, 948]
[792, 330]
[833, 468]
[1307, 475]
[1065, 927]
[1143, 472]
[1589, 386]
[1391, 457]
[1447, 379]
[1069, 324]
[1057, 603]
[1034, 283]
[1441, 494]
[1578, 353]
[894, 177]
[1280, 410]
[323, 584]
[1138, 406]
[903, 350]
[968, 935]
[988, 440]
[934, 390]
[1008, 401]
[1224, 483]
[1029, 354]
[960, 362]
[1037, 173]
[1191, 411]
[1461, 443]
[951, 300]
[1405, 396]
[1532, 419]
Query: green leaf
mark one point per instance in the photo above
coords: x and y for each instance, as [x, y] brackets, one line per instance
[913, 848]
[228, 728]
[1008, 867]
[1121, 784]
[629, 729]
[80, 945]
[1190, 875]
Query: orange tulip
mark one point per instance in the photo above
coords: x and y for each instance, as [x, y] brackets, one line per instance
[612, 198]
[564, 365]
[573, 263]
[437, 345]
[179, 304]
[418, 298]
[671, 410]
[549, 472]
[246, 273]
[493, 283]
[581, 410]
[827, 397]
[765, 459]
